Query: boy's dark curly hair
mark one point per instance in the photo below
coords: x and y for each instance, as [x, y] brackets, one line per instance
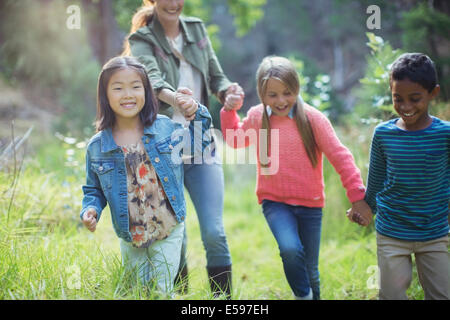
[416, 67]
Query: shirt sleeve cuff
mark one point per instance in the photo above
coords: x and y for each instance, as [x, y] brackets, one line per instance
[356, 194]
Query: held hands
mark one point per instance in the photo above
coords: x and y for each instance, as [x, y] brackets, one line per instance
[185, 102]
[360, 213]
[90, 219]
[234, 97]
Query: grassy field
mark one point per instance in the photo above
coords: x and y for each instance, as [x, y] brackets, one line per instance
[47, 254]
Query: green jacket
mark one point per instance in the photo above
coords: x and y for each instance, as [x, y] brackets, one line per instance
[149, 45]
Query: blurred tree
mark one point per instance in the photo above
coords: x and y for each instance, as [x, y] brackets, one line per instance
[427, 30]
[104, 33]
[48, 59]
[374, 96]
[35, 40]
[314, 90]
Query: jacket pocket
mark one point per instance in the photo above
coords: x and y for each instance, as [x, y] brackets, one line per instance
[165, 146]
[104, 171]
[171, 150]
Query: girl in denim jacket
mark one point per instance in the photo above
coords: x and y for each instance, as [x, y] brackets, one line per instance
[134, 164]
[177, 52]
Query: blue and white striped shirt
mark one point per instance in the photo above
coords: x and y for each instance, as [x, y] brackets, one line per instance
[408, 184]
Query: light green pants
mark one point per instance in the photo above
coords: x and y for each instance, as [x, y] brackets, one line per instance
[158, 262]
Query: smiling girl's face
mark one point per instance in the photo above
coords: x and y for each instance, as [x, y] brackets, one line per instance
[126, 94]
[278, 97]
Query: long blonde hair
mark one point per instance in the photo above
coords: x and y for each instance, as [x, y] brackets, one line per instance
[140, 19]
[274, 67]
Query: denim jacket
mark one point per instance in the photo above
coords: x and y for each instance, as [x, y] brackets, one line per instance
[106, 179]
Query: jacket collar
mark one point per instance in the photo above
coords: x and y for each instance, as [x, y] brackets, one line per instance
[107, 141]
[158, 31]
[151, 130]
[185, 31]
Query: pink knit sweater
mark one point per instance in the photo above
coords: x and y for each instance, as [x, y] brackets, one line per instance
[292, 178]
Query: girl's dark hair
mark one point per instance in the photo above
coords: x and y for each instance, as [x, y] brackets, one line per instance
[416, 67]
[105, 115]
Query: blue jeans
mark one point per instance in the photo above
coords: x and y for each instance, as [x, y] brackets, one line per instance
[297, 230]
[205, 184]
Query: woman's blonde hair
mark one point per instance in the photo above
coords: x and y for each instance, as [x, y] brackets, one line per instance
[140, 19]
[279, 68]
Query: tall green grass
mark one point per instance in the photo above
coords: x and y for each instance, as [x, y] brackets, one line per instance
[47, 254]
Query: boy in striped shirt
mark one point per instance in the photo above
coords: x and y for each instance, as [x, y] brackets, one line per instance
[408, 184]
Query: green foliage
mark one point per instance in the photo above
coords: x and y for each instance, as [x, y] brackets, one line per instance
[441, 110]
[246, 14]
[314, 91]
[198, 8]
[345, 14]
[315, 87]
[374, 93]
[124, 11]
[426, 30]
[78, 95]
[422, 26]
[47, 253]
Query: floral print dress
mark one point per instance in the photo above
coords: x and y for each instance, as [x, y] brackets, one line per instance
[151, 215]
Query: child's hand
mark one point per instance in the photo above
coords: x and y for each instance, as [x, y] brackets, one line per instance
[360, 213]
[184, 100]
[234, 97]
[90, 219]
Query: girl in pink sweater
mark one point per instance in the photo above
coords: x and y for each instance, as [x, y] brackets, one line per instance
[291, 138]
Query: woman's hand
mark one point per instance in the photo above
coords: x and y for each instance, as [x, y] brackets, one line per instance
[90, 219]
[234, 97]
[184, 100]
[360, 213]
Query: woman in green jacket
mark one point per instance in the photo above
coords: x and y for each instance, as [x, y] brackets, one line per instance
[177, 53]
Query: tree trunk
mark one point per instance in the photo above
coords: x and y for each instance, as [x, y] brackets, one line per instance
[338, 74]
[105, 36]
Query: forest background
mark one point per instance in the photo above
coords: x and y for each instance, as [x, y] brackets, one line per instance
[49, 64]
